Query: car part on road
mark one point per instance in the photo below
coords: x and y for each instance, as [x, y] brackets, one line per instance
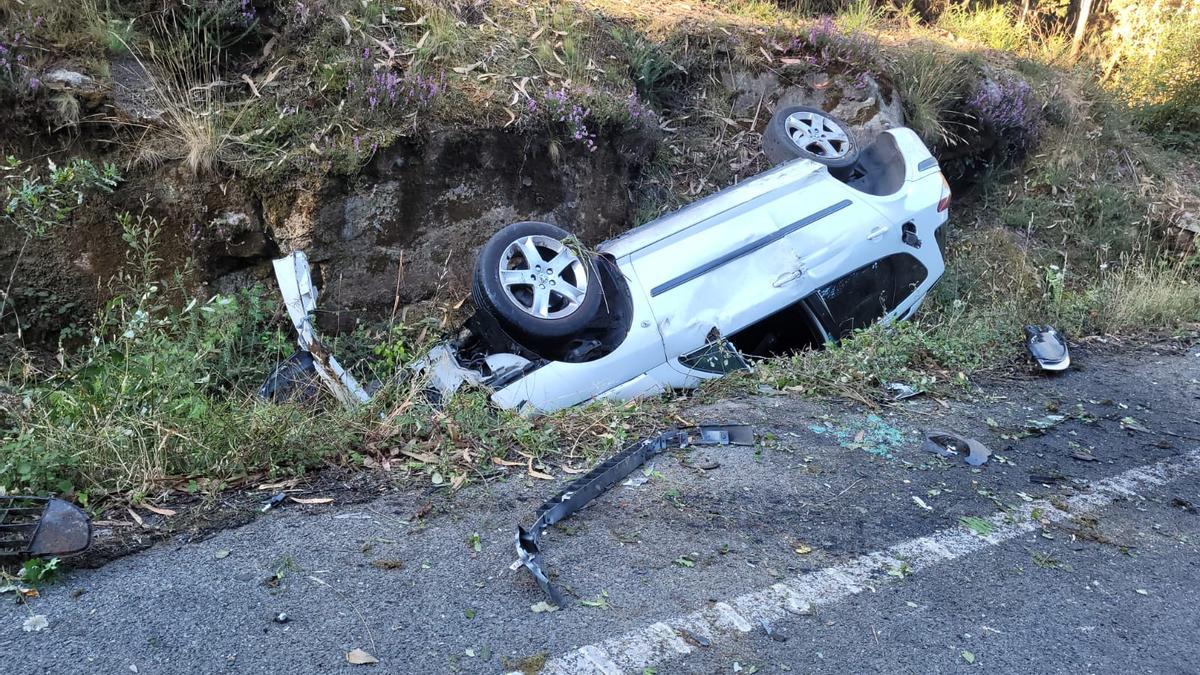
[300, 298]
[536, 282]
[952, 445]
[809, 133]
[1048, 347]
[594, 483]
[39, 526]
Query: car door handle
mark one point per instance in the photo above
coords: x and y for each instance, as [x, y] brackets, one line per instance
[787, 278]
[877, 232]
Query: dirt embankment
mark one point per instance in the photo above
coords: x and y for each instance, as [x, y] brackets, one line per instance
[407, 225]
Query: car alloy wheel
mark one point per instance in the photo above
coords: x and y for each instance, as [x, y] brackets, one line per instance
[543, 277]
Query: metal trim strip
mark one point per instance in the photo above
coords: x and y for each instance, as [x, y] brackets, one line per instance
[748, 248]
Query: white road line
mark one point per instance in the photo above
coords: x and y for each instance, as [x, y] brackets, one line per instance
[666, 640]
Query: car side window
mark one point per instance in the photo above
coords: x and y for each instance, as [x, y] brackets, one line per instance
[861, 297]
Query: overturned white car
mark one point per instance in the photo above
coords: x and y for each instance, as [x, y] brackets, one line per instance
[834, 238]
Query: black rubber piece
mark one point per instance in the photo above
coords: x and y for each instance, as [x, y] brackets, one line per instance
[488, 295]
[294, 380]
[779, 148]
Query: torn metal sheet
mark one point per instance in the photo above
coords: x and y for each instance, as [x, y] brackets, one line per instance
[38, 526]
[300, 297]
[1048, 347]
[950, 445]
[583, 490]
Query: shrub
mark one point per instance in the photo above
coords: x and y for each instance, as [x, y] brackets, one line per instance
[1005, 107]
[651, 66]
[828, 47]
[1155, 63]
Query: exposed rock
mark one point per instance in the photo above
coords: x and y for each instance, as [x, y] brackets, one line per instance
[133, 96]
[61, 77]
[84, 88]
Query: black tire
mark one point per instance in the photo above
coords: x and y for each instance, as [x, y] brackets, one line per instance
[779, 147]
[489, 294]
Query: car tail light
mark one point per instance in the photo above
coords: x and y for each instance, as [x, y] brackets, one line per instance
[944, 202]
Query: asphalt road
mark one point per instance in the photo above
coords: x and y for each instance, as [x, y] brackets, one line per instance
[808, 553]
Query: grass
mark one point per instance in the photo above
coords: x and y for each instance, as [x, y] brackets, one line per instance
[160, 395]
[931, 83]
[994, 25]
[181, 64]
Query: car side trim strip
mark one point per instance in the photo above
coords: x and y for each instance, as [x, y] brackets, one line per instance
[927, 164]
[747, 249]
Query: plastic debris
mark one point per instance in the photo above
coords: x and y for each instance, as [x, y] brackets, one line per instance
[949, 445]
[1048, 347]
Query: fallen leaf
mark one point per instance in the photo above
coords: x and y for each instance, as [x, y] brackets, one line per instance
[136, 518]
[968, 656]
[36, 623]
[463, 70]
[312, 500]
[1133, 425]
[543, 606]
[505, 462]
[358, 657]
[222, 554]
[1142, 591]
[421, 456]
[803, 549]
[538, 474]
[160, 511]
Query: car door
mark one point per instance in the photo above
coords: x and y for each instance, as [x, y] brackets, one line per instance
[718, 277]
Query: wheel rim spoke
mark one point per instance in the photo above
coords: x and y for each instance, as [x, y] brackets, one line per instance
[515, 277]
[529, 250]
[541, 301]
[573, 294]
[561, 261]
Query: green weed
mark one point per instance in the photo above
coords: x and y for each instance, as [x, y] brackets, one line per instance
[39, 571]
[860, 15]
[651, 66]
